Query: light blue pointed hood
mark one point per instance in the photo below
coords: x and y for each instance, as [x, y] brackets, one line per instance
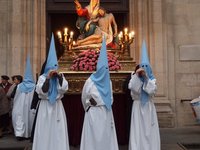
[52, 61]
[101, 77]
[144, 63]
[28, 83]
[52, 64]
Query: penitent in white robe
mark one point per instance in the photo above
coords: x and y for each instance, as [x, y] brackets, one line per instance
[144, 131]
[51, 125]
[98, 128]
[22, 115]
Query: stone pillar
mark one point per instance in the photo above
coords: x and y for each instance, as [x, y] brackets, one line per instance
[148, 19]
[23, 32]
[5, 34]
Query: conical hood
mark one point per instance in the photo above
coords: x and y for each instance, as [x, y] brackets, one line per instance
[52, 62]
[144, 54]
[101, 77]
[28, 83]
[144, 61]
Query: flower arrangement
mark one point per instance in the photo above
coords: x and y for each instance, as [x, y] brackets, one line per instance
[87, 61]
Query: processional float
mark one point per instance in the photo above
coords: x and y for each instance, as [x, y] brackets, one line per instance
[80, 55]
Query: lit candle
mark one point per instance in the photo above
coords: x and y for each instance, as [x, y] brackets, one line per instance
[66, 31]
[73, 43]
[71, 34]
[59, 35]
[126, 31]
[132, 34]
[129, 35]
[121, 33]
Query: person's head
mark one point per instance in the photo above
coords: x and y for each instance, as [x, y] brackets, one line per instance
[102, 11]
[4, 79]
[17, 79]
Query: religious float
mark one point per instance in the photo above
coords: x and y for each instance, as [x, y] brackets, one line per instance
[80, 55]
[80, 58]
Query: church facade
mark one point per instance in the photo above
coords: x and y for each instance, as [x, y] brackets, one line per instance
[171, 28]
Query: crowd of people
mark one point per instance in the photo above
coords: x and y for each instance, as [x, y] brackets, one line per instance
[7, 93]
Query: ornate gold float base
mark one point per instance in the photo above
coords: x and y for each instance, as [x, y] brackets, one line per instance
[76, 80]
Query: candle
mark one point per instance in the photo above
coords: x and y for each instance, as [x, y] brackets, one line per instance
[121, 33]
[120, 36]
[132, 34]
[71, 34]
[65, 31]
[126, 31]
[59, 35]
[73, 43]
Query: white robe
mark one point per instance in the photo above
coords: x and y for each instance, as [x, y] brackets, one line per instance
[22, 115]
[144, 131]
[98, 128]
[51, 125]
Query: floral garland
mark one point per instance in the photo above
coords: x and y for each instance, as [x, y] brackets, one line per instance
[87, 61]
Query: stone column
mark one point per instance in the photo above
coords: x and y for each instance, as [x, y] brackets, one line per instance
[24, 32]
[5, 34]
[148, 19]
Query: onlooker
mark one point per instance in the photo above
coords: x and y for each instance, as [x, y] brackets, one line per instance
[5, 85]
[16, 79]
[4, 111]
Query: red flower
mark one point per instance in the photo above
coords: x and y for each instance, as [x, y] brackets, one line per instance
[87, 60]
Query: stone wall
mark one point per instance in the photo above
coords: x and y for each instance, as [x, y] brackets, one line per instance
[171, 29]
[183, 45]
